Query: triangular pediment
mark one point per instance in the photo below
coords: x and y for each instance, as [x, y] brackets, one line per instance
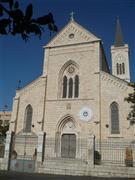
[72, 33]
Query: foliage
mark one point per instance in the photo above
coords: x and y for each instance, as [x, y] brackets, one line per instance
[97, 158]
[14, 21]
[131, 99]
[3, 130]
[129, 157]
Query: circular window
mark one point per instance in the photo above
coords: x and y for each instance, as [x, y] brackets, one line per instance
[71, 36]
[71, 69]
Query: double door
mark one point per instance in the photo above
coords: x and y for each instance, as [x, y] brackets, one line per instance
[68, 146]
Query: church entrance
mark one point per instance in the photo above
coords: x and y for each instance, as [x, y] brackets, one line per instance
[68, 146]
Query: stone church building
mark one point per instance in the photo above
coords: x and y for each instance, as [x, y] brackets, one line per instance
[76, 100]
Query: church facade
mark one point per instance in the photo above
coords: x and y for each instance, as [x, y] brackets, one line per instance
[75, 98]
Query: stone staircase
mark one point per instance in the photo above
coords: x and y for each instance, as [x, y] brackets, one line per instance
[112, 171]
[78, 167]
[63, 166]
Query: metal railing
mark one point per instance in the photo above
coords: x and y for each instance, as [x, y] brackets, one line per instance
[112, 152]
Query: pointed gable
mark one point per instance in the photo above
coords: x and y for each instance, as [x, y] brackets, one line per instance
[72, 33]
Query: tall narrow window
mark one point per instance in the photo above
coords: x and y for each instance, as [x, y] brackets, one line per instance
[64, 87]
[114, 118]
[123, 68]
[120, 68]
[76, 86]
[70, 92]
[117, 66]
[28, 119]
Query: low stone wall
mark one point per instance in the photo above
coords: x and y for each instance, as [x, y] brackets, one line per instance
[112, 171]
[80, 168]
[3, 164]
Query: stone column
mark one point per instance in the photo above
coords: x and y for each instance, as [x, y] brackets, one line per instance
[8, 147]
[91, 145]
[57, 144]
[40, 147]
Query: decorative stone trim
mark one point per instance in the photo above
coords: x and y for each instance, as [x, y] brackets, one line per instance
[73, 28]
[34, 84]
[114, 80]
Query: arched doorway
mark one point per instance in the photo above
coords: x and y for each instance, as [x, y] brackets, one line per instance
[66, 138]
[68, 146]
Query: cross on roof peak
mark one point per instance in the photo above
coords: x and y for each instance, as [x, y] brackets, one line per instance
[72, 15]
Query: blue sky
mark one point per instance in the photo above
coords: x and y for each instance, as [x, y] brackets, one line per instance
[24, 61]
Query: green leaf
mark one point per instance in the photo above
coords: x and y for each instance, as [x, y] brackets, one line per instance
[1, 10]
[11, 3]
[29, 12]
[4, 22]
[35, 29]
[3, 31]
[16, 5]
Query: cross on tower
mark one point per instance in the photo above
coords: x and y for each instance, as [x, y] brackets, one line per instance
[72, 15]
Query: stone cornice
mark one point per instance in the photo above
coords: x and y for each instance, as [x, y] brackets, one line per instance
[62, 38]
[114, 80]
[35, 83]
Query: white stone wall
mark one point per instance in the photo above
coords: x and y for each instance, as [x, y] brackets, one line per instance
[33, 94]
[97, 90]
[114, 90]
[124, 51]
[87, 58]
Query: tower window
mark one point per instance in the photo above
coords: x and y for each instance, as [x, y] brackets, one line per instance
[117, 68]
[120, 68]
[123, 68]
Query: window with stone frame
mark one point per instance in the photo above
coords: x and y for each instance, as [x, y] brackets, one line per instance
[70, 82]
[115, 129]
[76, 86]
[120, 68]
[64, 87]
[118, 71]
[28, 119]
[123, 68]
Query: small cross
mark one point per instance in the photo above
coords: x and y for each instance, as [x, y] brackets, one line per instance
[72, 15]
[19, 84]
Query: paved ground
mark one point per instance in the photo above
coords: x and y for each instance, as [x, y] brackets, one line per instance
[28, 176]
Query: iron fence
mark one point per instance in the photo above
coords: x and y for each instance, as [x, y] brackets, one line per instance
[120, 153]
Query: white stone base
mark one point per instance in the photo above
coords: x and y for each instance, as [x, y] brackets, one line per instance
[76, 167]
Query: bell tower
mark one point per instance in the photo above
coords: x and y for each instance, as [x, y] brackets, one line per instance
[120, 56]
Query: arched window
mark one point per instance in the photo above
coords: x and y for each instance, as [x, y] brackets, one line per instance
[123, 68]
[64, 87]
[68, 82]
[28, 119]
[120, 69]
[114, 118]
[70, 92]
[76, 86]
[117, 68]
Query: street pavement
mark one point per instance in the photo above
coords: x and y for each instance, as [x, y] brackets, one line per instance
[28, 176]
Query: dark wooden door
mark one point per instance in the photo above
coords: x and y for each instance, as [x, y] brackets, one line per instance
[68, 146]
